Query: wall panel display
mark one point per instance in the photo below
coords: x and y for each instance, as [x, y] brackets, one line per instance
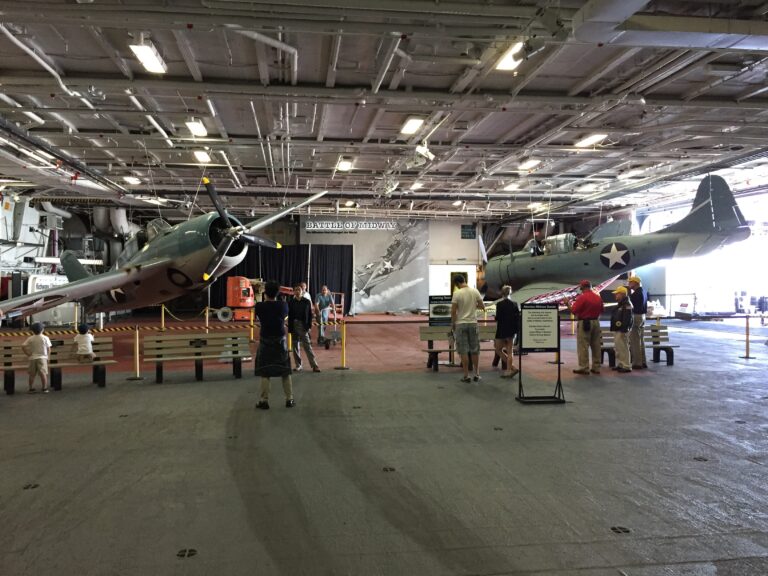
[390, 259]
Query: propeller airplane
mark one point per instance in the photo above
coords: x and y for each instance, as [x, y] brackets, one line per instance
[714, 221]
[159, 263]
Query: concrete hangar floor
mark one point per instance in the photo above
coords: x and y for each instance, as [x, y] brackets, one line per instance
[390, 469]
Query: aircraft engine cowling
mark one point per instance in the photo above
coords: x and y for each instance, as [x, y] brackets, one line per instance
[497, 273]
[217, 230]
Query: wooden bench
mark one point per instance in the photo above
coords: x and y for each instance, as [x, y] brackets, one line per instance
[432, 334]
[655, 336]
[62, 355]
[220, 345]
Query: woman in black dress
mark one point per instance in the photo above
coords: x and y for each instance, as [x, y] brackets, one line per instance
[507, 327]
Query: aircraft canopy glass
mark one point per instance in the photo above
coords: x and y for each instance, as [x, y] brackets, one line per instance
[157, 227]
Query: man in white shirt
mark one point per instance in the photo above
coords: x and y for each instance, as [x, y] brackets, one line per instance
[464, 304]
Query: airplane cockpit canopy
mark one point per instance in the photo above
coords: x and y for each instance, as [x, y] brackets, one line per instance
[560, 244]
[157, 227]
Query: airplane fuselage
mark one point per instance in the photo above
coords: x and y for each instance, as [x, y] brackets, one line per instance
[605, 259]
[189, 246]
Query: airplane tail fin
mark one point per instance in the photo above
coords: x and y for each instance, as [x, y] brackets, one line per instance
[72, 267]
[713, 210]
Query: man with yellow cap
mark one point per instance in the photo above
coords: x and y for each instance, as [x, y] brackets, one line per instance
[621, 324]
[639, 298]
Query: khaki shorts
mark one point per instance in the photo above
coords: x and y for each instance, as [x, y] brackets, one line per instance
[467, 339]
[38, 366]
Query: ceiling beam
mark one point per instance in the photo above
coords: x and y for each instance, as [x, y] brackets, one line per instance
[111, 51]
[186, 52]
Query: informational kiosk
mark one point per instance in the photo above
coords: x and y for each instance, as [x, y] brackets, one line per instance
[540, 332]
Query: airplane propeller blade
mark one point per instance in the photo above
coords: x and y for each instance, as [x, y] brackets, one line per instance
[215, 262]
[255, 240]
[216, 199]
[267, 220]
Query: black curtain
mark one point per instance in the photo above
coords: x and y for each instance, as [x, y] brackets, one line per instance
[332, 266]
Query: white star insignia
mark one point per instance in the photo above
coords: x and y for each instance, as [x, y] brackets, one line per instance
[615, 256]
[388, 265]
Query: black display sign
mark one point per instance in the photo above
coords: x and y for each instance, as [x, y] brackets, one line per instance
[468, 232]
[440, 310]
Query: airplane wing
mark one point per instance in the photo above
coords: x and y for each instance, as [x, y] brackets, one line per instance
[548, 292]
[45, 299]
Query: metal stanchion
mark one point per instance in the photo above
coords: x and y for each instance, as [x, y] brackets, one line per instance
[573, 324]
[253, 321]
[136, 357]
[343, 347]
[207, 318]
[746, 353]
[162, 317]
[77, 311]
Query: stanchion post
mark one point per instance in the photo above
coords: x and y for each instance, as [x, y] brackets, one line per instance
[573, 323]
[343, 347]
[162, 317]
[253, 320]
[77, 310]
[136, 357]
[207, 318]
[746, 353]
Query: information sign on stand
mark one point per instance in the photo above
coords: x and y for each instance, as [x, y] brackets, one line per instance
[540, 332]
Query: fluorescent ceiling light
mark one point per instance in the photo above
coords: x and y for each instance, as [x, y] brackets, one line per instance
[132, 180]
[529, 163]
[534, 205]
[344, 165]
[202, 156]
[590, 140]
[509, 62]
[54, 260]
[457, 203]
[412, 125]
[587, 188]
[149, 57]
[349, 203]
[511, 187]
[197, 127]
[417, 186]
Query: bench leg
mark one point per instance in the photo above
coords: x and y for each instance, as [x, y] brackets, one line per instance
[55, 376]
[159, 372]
[237, 367]
[100, 375]
[656, 355]
[670, 356]
[432, 361]
[198, 370]
[9, 382]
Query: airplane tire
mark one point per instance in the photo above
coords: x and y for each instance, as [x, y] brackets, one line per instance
[225, 314]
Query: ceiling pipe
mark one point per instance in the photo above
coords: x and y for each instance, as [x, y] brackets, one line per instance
[269, 41]
[38, 59]
[51, 209]
[386, 61]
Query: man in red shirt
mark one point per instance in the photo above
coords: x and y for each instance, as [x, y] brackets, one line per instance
[587, 308]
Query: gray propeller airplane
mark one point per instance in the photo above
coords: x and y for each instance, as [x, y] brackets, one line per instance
[714, 221]
[158, 264]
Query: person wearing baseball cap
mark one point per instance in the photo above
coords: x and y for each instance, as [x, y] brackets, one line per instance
[587, 308]
[639, 298]
[621, 324]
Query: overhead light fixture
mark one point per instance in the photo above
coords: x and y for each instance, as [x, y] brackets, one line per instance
[349, 203]
[534, 205]
[511, 187]
[197, 127]
[149, 57]
[412, 125]
[457, 203]
[132, 180]
[422, 150]
[202, 156]
[344, 164]
[417, 186]
[591, 187]
[590, 140]
[510, 61]
[529, 164]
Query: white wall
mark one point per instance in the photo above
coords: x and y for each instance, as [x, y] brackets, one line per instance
[440, 277]
[446, 245]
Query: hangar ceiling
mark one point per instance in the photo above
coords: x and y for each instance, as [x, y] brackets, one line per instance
[299, 96]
